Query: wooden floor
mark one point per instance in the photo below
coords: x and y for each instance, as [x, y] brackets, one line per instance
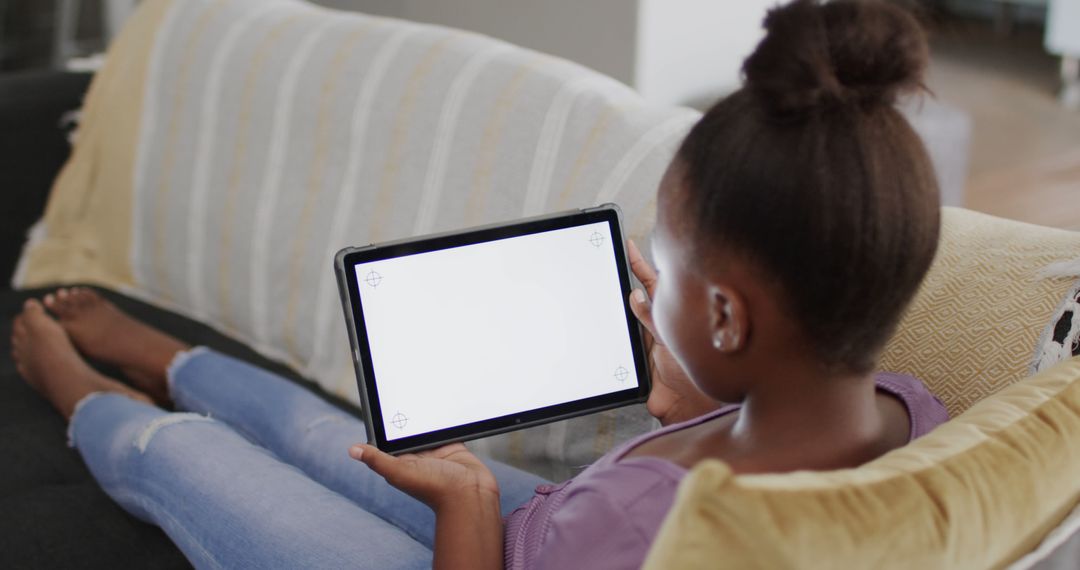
[1025, 154]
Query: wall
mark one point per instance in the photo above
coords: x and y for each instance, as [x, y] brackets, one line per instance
[672, 51]
[1063, 27]
[1020, 11]
[596, 33]
[691, 51]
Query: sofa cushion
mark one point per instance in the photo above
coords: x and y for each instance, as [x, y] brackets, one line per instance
[1058, 551]
[977, 492]
[976, 323]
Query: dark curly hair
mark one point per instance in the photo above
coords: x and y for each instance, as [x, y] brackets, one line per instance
[811, 173]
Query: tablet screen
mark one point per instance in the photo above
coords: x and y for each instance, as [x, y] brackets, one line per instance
[465, 334]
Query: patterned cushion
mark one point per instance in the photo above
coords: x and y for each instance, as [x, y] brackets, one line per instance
[1061, 340]
[974, 327]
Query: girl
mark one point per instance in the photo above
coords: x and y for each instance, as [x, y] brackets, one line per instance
[793, 227]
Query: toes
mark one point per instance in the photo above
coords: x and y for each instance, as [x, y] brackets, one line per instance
[33, 306]
[34, 318]
[65, 300]
[59, 302]
[87, 297]
[68, 301]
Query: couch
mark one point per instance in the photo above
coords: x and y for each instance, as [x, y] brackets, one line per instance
[227, 148]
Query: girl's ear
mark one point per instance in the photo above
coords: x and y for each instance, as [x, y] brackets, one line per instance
[729, 318]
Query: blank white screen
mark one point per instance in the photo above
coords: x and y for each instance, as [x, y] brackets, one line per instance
[476, 332]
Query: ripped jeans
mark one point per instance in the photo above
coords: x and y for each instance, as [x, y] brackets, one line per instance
[255, 473]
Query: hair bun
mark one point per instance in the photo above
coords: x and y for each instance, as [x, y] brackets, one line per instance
[841, 53]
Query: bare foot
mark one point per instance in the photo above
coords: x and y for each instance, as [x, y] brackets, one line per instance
[48, 361]
[103, 332]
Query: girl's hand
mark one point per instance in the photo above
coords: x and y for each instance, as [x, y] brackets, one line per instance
[437, 477]
[674, 397]
[462, 492]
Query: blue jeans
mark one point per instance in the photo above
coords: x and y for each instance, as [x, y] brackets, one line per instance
[256, 474]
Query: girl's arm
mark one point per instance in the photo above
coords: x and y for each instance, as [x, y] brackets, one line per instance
[469, 533]
[462, 492]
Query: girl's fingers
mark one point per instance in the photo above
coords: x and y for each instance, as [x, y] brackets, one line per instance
[401, 472]
[642, 309]
[641, 268]
[382, 463]
[444, 452]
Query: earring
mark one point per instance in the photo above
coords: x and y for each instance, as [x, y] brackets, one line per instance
[718, 341]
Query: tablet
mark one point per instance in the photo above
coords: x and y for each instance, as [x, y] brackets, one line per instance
[468, 334]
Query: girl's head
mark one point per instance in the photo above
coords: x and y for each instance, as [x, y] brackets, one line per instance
[801, 213]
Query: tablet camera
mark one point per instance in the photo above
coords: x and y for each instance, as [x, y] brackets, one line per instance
[399, 420]
[597, 239]
[373, 279]
[621, 374]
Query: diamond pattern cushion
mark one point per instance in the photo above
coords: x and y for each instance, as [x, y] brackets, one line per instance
[976, 323]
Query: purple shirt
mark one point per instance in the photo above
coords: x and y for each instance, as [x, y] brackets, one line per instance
[607, 516]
